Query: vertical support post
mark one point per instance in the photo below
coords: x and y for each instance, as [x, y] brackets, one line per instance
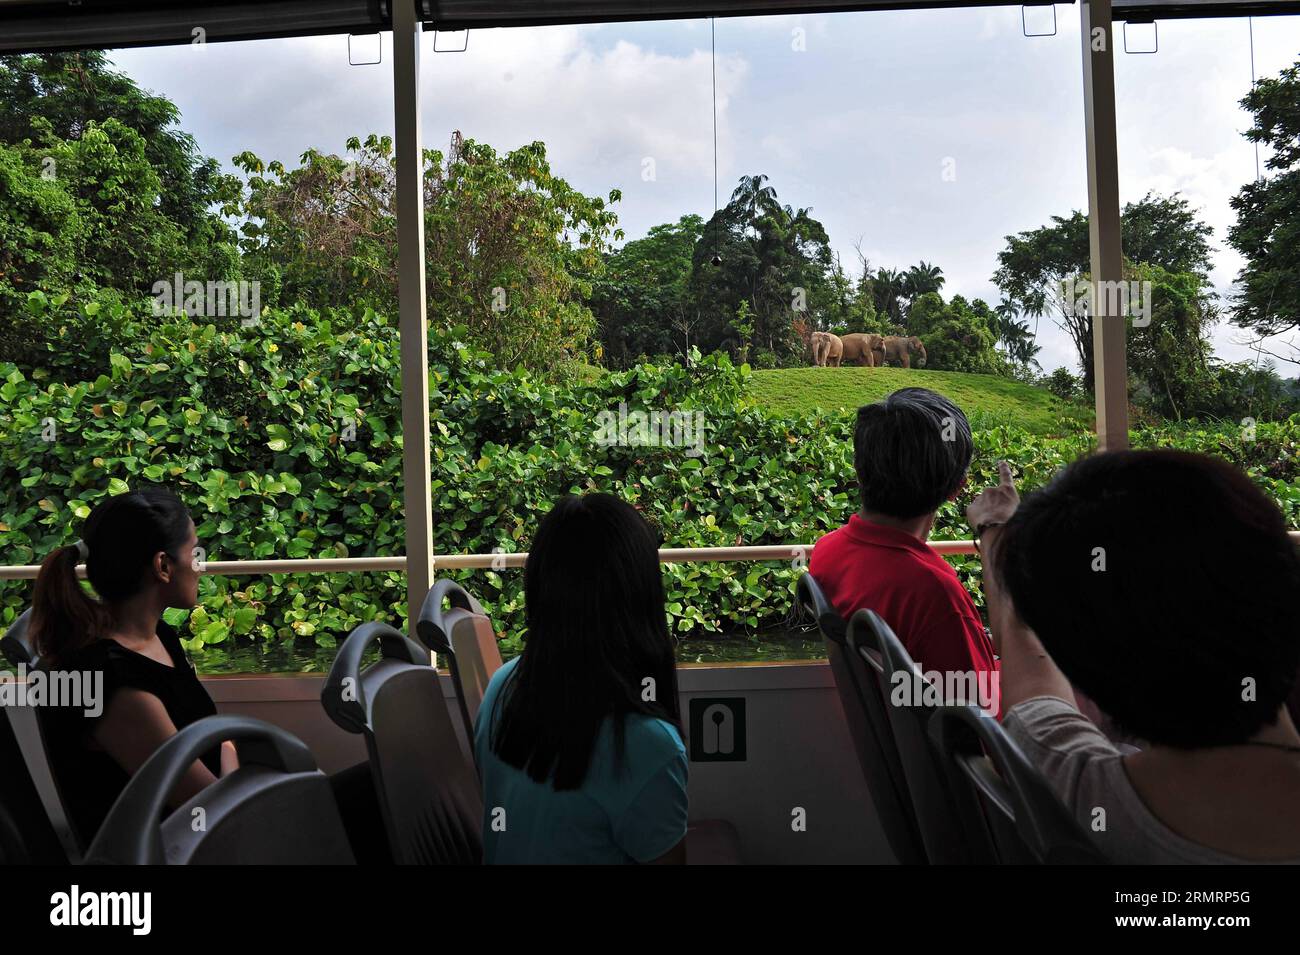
[1109, 332]
[413, 324]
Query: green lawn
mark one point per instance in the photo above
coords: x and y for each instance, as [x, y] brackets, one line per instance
[987, 400]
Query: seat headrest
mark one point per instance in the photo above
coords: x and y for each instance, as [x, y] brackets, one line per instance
[16, 644]
[344, 695]
[433, 626]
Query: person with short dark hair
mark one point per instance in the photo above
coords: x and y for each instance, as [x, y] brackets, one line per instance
[1163, 585]
[578, 739]
[911, 452]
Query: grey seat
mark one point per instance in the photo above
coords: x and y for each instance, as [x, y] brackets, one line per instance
[277, 808]
[16, 644]
[1029, 823]
[464, 635]
[29, 833]
[864, 710]
[27, 782]
[13, 847]
[946, 831]
[428, 791]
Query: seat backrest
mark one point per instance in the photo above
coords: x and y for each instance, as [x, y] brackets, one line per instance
[16, 644]
[38, 837]
[40, 809]
[24, 744]
[13, 847]
[1029, 823]
[276, 808]
[909, 701]
[463, 634]
[873, 740]
[428, 791]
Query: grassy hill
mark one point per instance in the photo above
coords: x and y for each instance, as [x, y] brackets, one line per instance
[987, 400]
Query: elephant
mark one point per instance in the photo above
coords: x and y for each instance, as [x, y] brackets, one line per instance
[827, 349]
[900, 349]
[863, 349]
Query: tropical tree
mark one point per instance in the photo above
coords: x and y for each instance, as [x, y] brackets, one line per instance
[1038, 270]
[889, 291]
[775, 257]
[511, 250]
[642, 300]
[754, 200]
[103, 202]
[53, 98]
[1169, 355]
[1016, 338]
[1267, 231]
[922, 278]
[958, 335]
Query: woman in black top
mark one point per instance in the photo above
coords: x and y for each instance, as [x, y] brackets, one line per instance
[139, 549]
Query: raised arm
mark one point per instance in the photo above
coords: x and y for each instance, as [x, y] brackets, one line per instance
[1026, 669]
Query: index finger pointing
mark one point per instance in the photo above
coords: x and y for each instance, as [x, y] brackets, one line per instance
[1004, 474]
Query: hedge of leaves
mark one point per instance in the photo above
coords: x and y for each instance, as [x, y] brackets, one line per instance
[285, 440]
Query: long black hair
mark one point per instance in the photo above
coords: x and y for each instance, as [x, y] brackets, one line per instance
[121, 537]
[597, 645]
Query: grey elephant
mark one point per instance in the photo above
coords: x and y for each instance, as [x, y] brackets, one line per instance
[827, 350]
[900, 349]
[863, 349]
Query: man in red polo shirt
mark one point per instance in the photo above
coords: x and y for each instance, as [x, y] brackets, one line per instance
[911, 452]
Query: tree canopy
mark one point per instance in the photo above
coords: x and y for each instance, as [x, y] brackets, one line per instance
[1035, 267]
[1267, 231]
[511, 249]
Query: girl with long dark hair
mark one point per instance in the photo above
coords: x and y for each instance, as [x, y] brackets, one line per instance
[140, 552]
[578, 739]
[139, 549]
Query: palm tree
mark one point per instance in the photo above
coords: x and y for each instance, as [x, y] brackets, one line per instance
[1022, 348]
[754, 199]
[1014, 335]
[1006, 319]
[888, 288]
[923, 277]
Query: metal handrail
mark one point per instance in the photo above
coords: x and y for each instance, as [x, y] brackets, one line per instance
[348, 565]
[353, 565]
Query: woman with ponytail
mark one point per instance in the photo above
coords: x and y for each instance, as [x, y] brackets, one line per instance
[139, 550]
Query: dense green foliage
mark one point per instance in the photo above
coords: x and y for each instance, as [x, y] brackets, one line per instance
[251, 426]
[140, 179]
[643, 299]
[958, 336]
[53, 98]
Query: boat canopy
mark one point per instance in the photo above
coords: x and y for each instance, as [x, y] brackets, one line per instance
[47, 25]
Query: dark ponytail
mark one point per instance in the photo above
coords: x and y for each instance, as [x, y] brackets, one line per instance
[120, 539]
[64, 616]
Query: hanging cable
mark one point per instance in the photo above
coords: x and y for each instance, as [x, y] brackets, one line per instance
[713, 53]
[1250, 22]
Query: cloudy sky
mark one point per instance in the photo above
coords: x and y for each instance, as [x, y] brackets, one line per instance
[855, 115]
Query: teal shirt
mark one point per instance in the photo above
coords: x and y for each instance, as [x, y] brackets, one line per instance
[635, 814]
